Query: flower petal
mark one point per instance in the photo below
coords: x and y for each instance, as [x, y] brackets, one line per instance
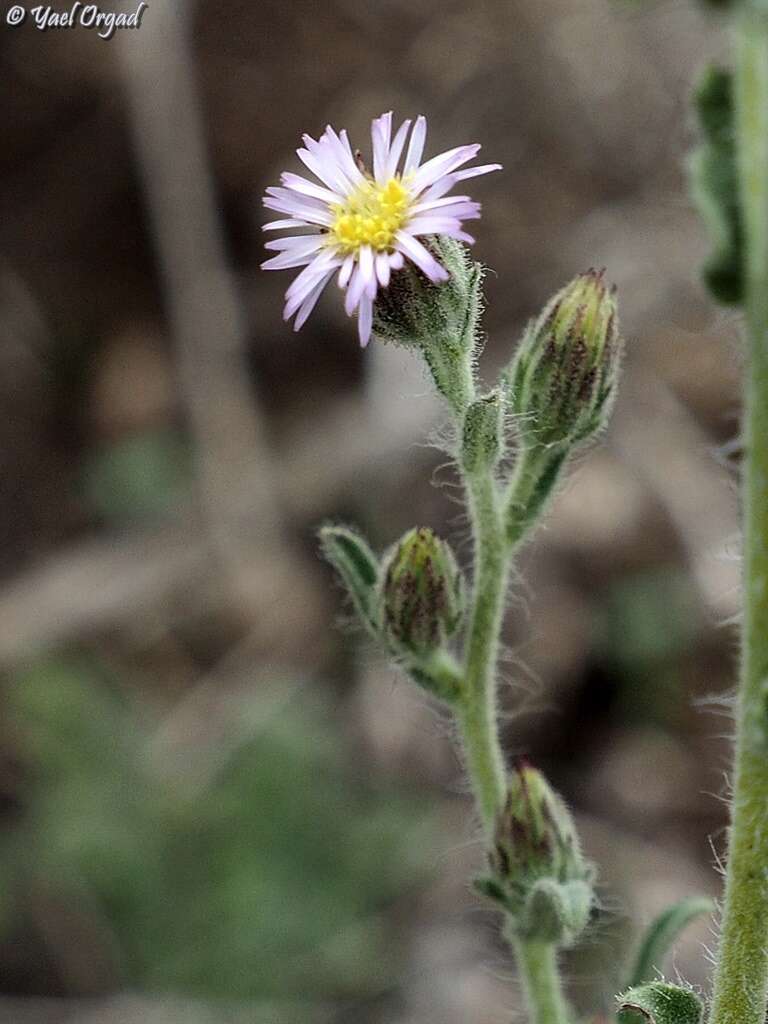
[381, 134]
[415, 145]
[383, 268]
[296, 183]
[310, 302]
[396, 150]
[365, 320]
[423, 259]
[443, 164]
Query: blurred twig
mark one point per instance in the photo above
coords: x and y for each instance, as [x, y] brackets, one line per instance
[235, 470]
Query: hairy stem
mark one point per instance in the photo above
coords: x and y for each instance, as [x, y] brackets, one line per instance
[741, 981]
[477, 710]
[541, 982]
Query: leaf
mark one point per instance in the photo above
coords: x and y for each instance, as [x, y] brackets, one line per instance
[662, 934]
[659, 1003]
[713, 179]
[357, 566]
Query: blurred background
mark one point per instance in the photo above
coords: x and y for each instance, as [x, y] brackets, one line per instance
[217, 803]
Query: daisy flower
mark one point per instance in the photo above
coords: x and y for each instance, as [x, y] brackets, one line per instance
[363, 225]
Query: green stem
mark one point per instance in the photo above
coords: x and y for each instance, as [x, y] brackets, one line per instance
[541, 981]
[535, 474]
[741, 980]
[477, 710]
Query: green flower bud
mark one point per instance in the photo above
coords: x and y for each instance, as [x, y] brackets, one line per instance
[440, 320]
[538, 872]
[422, 597]
[483, 435]
[660, 1003]
[563, 378]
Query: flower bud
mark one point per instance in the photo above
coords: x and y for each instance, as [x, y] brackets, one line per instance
[658, 1002]
[563, 378]
[538, 872]
[440, 320]
[422, 597]
[482, 435]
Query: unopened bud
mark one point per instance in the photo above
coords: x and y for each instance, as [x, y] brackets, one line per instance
[422, 598]
[538, 872]
[482, 436]
[563, 378]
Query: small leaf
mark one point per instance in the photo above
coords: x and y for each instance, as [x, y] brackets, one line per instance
[663, 933]
[659, 1003]
[358, 567]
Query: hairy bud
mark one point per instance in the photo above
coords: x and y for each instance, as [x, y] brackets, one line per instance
[440, 320]
[658, 1002]
[422, 596]
[482, 435]
[538, 872]
[563, 378]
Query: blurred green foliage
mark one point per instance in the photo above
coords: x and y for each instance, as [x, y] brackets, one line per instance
[649, 622]
[139, 477]
[267, 880]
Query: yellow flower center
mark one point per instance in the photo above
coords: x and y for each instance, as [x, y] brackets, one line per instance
[370, 216]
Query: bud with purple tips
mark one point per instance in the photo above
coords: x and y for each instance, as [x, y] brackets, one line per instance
[563, 378]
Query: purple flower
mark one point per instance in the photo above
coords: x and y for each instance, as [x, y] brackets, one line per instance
[364, 226]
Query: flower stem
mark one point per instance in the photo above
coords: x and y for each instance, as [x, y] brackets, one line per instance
[541, 981]
[741, 980]
[477, 710]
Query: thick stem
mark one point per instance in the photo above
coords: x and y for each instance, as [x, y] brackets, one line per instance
[477, 710]
[541, 982]
[741, 981]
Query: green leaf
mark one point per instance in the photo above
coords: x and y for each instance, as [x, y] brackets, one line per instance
[357, 566]
[659, 1003]
[713, 179]
[662, 934]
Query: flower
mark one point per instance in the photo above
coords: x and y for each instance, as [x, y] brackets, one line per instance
[365, 226]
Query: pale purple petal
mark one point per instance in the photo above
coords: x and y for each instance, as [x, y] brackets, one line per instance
[436, 204]
[396, 150]
[342, 151]
[310, 302]
[312, 215]
[296, 243]
[365, 320]
[396, 261]
[278, 225]
[325, 261]
[443, 164]
[356, 288]
[446, 183]
[381, 133]
[367, 269]
[346, 270]
[324, 167]
[287, 260]
[296, 183]
[423, 259]
[415, 145]
[289, 195]
[432, 225]
[382, 268]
